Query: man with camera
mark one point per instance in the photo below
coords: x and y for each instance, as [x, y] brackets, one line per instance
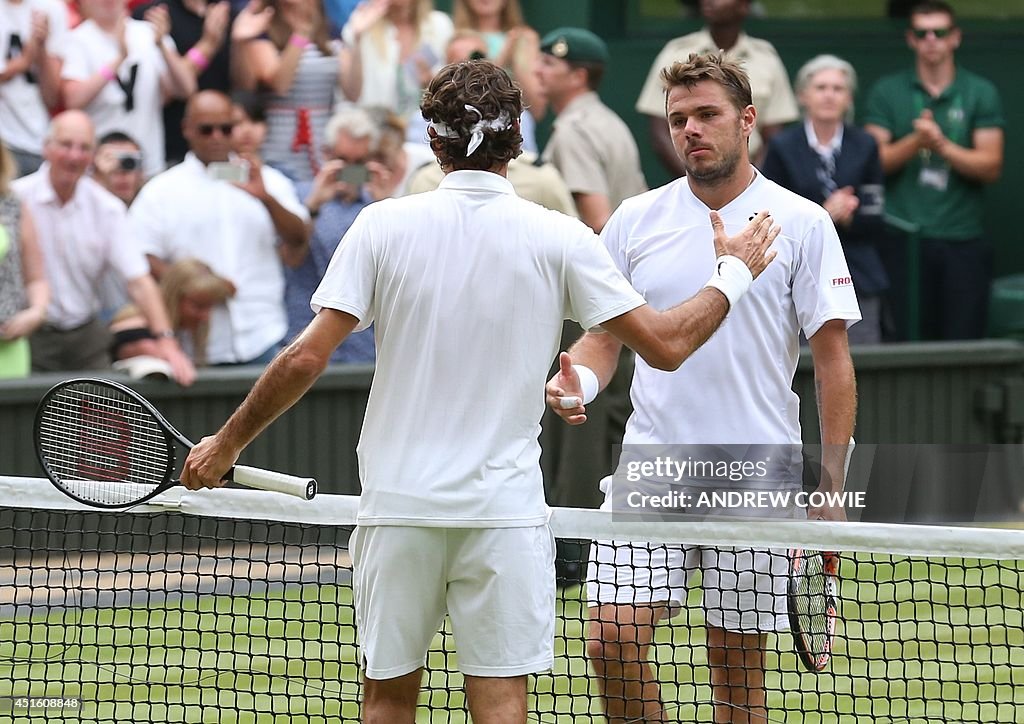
[117, 166]
[237, 217]
[352, 177]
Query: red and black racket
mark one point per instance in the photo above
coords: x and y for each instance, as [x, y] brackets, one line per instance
[105, 445]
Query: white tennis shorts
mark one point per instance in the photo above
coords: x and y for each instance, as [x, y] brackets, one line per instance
[744, 590]
[496, 584]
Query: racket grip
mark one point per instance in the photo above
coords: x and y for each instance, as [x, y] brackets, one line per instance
[304, 488]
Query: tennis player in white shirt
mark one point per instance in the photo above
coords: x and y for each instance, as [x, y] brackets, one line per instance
[467, 287]
[736, 390]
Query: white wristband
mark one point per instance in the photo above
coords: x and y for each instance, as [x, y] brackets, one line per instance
[588, 383]
[732, 278]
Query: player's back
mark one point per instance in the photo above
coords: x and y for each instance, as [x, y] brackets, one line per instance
[467, 287]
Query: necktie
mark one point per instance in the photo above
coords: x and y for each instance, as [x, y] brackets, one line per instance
[826, 173]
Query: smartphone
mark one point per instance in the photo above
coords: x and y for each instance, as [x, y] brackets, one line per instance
[355, 174]
[237, 171]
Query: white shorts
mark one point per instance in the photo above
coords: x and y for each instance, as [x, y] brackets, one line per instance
[743, 590]
[496, 584]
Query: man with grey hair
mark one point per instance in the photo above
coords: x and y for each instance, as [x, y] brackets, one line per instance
[83, 232]
[833, 163]
[349, 180]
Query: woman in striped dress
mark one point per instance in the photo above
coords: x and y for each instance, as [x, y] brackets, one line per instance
[291, 59]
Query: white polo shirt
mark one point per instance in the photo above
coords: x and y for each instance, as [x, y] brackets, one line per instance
[80, 241]
[183, 213]
[23, 115]
[737, 388]
[132, 103]
[467, 287]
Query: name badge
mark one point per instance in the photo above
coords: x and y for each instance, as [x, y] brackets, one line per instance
[935, 178]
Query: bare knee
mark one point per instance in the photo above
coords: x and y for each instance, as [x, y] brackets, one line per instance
[391, 701]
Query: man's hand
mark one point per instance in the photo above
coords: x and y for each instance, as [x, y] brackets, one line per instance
[929, 132]
[564, 385]
[326, 187]
[254, 186]
[751, 244]
[382, 183]
[207, 464]
[825, 512]
[181, 366]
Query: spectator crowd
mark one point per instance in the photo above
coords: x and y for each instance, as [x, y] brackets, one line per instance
[175, 175]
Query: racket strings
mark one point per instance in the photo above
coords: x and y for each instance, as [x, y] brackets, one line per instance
[815, 597]
[101, 445]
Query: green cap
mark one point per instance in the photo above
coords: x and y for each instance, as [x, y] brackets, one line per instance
[575, 44]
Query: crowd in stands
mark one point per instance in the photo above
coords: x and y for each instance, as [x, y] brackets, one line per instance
[176, 175]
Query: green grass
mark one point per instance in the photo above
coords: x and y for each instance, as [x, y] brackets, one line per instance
[921, 642]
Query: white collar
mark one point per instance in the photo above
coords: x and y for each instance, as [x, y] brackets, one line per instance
[829, 149]
[468, 180]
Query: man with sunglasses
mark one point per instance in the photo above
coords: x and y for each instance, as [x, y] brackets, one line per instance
[940, 137]
[239, 217]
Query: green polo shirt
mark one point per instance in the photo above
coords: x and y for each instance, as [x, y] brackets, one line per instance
[913, 193]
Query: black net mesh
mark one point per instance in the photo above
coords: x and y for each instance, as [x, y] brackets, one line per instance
[170, 617]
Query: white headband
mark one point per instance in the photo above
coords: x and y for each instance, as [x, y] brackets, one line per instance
[476, 131]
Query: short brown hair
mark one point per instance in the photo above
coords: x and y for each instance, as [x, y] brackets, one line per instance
[932, 7]
[712, 67]
[490, 90]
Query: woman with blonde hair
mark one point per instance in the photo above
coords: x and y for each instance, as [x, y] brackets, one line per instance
[511, 43]
[399, 44]
[24, 289]
[190, 291]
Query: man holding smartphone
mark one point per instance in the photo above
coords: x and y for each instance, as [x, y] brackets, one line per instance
[347, 183]
[243, 231]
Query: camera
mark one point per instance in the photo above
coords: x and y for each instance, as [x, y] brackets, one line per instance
[128, 161]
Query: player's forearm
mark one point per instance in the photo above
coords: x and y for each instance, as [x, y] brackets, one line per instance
[599, 352]
[836, 391]
[665, 339]
[284, 382]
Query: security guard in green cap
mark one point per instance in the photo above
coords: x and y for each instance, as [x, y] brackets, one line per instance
[595, 152]
[575, 44]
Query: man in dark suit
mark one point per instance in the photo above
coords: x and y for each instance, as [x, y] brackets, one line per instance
[835, 164]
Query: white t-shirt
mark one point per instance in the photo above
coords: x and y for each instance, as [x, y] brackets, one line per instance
[183, 213]
[467, 287]
[132, 103]
[23, 115]
[737, 388]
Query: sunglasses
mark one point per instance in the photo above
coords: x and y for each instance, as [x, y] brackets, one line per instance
[922, 33]
[207, 129]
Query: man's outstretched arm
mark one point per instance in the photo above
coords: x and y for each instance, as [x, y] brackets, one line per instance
[280, 386]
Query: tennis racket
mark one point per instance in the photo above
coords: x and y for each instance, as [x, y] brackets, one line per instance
[105, 445]
[813, 607]
[813, 599]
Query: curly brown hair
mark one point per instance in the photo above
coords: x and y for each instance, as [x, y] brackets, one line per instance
[490, 90]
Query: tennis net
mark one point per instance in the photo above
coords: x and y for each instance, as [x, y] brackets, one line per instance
[236, 606]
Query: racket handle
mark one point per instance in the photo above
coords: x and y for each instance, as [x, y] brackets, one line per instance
[304, 488]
